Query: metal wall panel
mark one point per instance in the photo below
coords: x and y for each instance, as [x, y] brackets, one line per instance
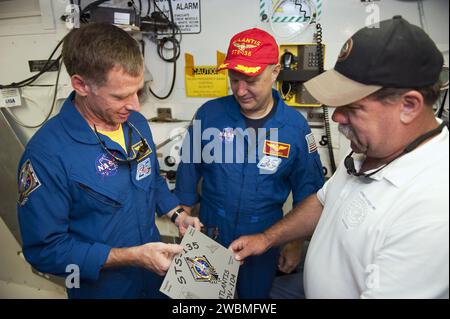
[10, 151]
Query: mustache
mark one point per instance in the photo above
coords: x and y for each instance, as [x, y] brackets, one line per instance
[347, 131]
[350, 134]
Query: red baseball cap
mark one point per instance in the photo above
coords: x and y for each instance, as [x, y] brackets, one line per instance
[250, 52]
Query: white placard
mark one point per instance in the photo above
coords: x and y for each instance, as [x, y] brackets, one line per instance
[10, 97]
[121, 18]
[186, 13]
[289, 11]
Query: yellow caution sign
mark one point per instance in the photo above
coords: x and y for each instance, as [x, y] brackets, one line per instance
[205, 81]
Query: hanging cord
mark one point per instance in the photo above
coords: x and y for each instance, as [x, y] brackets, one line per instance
[326, 120]
[286, 91]
[47, 66]
[14, 118]
[140, 8]
[176, 55]
[172, 39]
[29, 82]
[148, 8]
[423, 21]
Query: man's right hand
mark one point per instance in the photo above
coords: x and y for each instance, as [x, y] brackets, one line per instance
[157, 257]
[249, 246]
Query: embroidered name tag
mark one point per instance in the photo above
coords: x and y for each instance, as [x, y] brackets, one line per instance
[137, 149]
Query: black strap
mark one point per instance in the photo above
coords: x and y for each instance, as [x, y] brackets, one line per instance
[177, 213]
[130, 135]
[423, 138]
[350, 165]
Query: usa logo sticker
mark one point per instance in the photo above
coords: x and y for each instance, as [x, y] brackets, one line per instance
[144, 169]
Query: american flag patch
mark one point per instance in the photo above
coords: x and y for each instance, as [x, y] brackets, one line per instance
[310, 140]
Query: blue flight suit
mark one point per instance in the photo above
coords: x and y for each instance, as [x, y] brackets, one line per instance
[238, 197]
[76, 202]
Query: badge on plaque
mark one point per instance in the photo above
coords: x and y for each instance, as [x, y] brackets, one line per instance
[201, 269]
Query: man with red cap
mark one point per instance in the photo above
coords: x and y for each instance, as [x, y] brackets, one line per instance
[380, 225]
[255, 150]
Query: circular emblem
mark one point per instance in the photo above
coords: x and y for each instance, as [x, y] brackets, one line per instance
[105, 165]
[346, 50]
[355, 213]
[202, 270]
[201, 267]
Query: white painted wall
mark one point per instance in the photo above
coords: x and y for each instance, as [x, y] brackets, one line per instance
[35, 37]
[220, 21]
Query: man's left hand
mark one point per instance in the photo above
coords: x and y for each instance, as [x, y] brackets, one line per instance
[290, 256]
[184, 221]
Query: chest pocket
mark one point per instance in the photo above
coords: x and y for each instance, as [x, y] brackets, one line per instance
[99, 197]
[90, 199]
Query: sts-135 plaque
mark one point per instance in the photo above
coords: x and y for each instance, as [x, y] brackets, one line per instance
[204, 270]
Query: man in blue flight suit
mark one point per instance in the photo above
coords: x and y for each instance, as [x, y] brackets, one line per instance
[89, 181]
[251, 151]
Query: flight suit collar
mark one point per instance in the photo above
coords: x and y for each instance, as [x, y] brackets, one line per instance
[74, 124]
[276, 120]
[78, 128]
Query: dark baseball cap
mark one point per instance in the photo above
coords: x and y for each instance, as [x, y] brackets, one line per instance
[394, 54]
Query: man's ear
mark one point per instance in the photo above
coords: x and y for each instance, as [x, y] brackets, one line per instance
[80, 85]
[275, 72]
[412, 104]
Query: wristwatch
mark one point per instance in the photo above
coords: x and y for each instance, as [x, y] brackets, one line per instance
[177, 213]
